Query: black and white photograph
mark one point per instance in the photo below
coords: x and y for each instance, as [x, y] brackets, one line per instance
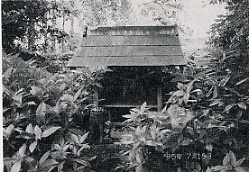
[125, 86]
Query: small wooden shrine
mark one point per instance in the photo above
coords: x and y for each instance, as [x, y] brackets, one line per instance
[136, 55]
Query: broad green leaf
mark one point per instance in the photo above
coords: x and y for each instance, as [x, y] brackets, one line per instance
[242, 81]
[57, 147]
[7, 73]
[32, 146]
[143, 108]
[62, 87]
[77, 94]
[138, 158]
[9, 160]
[5, 90]
[210, 91]
[140, 131]
[242, 105]
[5, 109]
[127, 139]
[125, 153]
[224, 81]
[190, 86]
[29, 129]
[180, 86]
[226, 160]
[49, 131]
[9, 129]
[215, 92]
[52, 168]
[218, 168]
[75, 138]
[60, 166]
[83, 138]
[44, 157]
[20, 91]
[165, 131]
[174, 123]
[84, 146]
[41, 112]
[159, 144]
[228, 107]
[18, 97]
[240, 161]
[30, 159]
[132, 165]
[240, 169]
[209, 147]
[37, 132]
[65, 148]
[36, 91]
[179, 93]
[16, 167]
[67, 97]
[98, 85]
[232, 158]
[49, 163]
[127, 116]
[153, 131]
[215, 102]
[196, 91]
[82, 100]
[80, 161]
[186, 98]
[22, 150]
[81, 168]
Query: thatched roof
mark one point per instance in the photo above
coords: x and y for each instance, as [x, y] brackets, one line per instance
[130, 46]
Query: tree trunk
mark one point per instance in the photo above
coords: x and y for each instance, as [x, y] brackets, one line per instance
[31, 36]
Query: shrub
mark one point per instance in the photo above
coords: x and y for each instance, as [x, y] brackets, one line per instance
[43, 116]
[200, 123]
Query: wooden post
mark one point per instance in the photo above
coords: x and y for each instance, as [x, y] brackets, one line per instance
[159, 90]
[181, 69]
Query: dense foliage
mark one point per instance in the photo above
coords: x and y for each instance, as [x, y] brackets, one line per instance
[231, 34]
[46, 106]
[32, 25]
[196, 129]
[45, 116]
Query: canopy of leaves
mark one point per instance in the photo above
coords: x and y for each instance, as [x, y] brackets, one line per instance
[231, 34]
[102, 12]
[25, 22]
[17, 17]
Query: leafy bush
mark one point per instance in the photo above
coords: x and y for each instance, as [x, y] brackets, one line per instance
[200, 123]
[44, 116]
[229, 164]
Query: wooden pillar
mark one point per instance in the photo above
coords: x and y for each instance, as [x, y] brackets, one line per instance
[159, 90]
[181, 69]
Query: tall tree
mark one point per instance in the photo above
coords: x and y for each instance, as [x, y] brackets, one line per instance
[29, 22]
[105, 12]
[18, 18]
[231, 34]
